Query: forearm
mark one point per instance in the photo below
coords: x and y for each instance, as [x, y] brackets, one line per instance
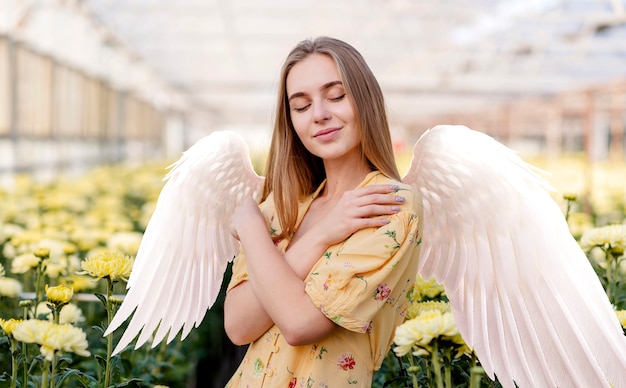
[280, 288]
[245, 320]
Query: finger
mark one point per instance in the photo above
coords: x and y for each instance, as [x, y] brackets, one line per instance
[378, 210]
[382, 199]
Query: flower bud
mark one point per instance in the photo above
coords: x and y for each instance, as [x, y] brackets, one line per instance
[570, 196]
[59, 294]
[25, 303]
[42, 252]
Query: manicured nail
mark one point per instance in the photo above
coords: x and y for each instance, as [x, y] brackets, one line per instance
[395, 208]
[400, 199]
[386, 220]
[394, 187]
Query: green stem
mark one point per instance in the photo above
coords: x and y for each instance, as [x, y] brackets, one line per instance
[609, 274]
[25, 351]
[39, 284]
[412, 370]
[569, 208]
[447, 368]
[436, 364]
[54, 369]
[44, 374]
[13, 361]
[109, 308]
[476, 373]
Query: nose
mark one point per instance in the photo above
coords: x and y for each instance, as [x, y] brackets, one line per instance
[320, 112]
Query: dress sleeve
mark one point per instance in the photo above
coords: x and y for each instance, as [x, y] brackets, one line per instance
[240, 271]
[240, 265]
[354, 280]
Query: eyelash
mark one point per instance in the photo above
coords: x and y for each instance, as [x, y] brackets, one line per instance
[339, 98]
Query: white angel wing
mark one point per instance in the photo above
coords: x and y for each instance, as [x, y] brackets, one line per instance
[180, 264]
[523, 293]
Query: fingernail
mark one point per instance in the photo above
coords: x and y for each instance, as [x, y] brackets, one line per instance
[400, 199]
[395, 208]
[386, 220]
[394, 187]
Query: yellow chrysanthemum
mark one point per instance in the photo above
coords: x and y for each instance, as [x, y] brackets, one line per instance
[108, 263]
[419, 307]
[610, 237]
[24, 263]
[426, 288]
[10, 287]
[417, 334]
[621, 315]
[59, 294]
[9, 325]
[52, 337]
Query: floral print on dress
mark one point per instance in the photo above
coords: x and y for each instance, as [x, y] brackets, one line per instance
[361, 285]
[258, 367]
[328, 282]
[318, 354]
[346, 361]
[382, 292]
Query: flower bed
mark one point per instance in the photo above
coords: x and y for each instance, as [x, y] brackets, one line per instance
[66, 248]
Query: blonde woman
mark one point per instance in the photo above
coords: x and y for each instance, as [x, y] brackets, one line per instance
[328, 257]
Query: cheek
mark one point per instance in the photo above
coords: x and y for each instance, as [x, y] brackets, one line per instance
[298, 125]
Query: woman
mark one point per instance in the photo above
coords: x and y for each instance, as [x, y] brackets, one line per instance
[328, 257]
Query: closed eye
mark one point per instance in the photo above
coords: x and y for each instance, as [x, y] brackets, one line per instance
[339, 98]
[302, 109]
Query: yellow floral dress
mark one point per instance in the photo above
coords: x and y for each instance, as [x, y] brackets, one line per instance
[361, 284]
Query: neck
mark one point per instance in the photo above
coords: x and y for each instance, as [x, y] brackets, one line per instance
[343, 176]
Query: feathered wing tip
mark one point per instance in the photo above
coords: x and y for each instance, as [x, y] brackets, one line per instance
[523, 293]
[187, 244]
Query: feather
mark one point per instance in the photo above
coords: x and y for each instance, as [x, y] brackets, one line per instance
[522, 292]
[180, 264]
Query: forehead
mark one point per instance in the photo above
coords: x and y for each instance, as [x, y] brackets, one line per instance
[312, 73]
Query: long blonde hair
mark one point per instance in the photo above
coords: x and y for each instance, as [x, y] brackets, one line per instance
[292, 171]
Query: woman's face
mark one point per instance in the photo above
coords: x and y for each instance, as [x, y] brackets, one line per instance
[321, 111]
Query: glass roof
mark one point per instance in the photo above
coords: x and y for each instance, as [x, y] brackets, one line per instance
[221, 58]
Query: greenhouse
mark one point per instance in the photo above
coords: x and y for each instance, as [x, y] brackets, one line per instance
[104, 108]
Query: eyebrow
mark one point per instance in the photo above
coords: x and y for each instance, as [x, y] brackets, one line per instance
[327, 85]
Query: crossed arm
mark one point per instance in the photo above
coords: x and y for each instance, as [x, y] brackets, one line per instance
[275, 291]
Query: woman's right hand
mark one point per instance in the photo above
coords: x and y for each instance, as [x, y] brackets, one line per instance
[363, 207]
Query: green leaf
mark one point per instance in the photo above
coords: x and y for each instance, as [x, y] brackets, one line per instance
[102, 298]
[134, 383]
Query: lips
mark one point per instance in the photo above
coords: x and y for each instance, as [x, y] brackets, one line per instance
[325, 132]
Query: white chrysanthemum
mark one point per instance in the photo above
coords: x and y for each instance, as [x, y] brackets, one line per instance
[52, 337]
[2, 272]
[70, 313]
[24, 263]
[9, 251]
[125, 242]
[10, 288]
[7, 231]
[611, 237]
